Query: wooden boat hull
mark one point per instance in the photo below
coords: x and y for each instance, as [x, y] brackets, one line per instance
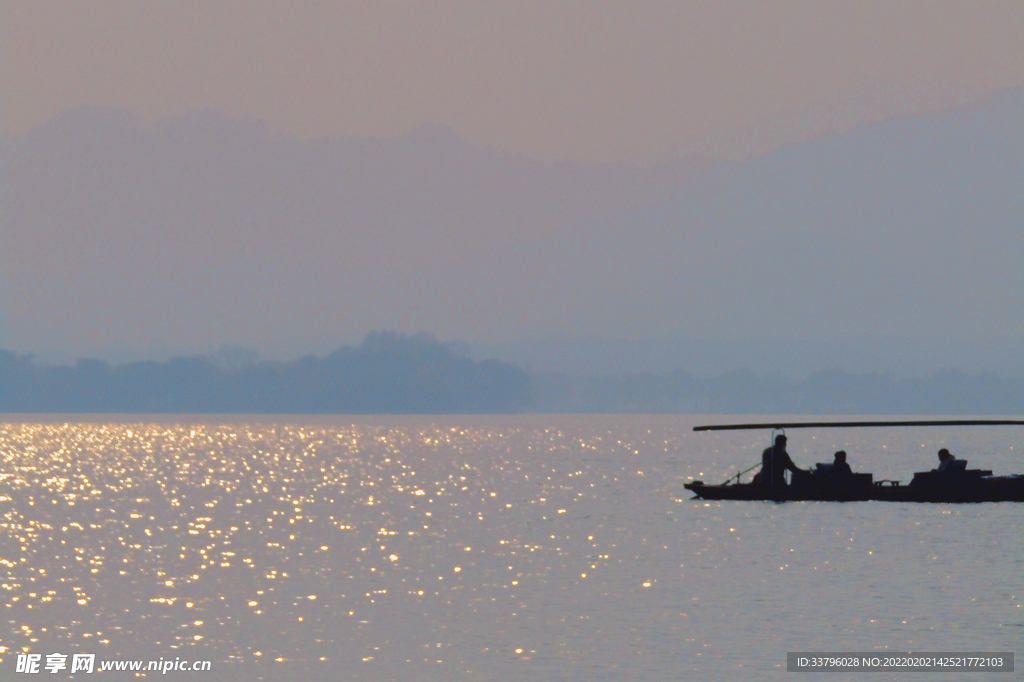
[972, 486]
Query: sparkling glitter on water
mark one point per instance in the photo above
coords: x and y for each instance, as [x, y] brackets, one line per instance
[529, 548]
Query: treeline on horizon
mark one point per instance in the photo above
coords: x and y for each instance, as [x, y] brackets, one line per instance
[392, 373]
[832, 391]
[387, 374]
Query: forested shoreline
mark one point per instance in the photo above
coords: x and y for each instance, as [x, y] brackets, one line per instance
[387, 374]
[831, 391]
[392, 373]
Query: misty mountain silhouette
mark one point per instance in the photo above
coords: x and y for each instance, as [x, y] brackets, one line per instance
[202, 230]
[386, 374]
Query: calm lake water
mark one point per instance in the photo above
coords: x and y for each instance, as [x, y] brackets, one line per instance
[486, 548]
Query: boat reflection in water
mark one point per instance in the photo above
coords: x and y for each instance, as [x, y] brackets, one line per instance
[958, 484]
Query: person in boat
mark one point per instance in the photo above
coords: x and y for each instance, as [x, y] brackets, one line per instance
[774, 463]
[836, 472]
[840, 469]
[948, 462]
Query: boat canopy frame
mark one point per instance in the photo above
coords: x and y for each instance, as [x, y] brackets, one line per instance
[781, 426]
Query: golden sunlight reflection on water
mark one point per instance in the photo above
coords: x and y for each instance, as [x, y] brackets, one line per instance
[486, 548]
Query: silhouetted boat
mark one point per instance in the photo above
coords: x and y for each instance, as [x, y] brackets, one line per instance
[958, 485]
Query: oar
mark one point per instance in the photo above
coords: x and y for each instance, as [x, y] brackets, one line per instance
[737, 476]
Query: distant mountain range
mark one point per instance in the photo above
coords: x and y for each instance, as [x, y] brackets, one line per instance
[395, 374]
[895, 247]
[833, 392]
[386, 374]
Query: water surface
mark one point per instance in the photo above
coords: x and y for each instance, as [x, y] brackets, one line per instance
[486, 548]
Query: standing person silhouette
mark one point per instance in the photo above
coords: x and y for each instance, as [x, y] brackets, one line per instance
[775, 461]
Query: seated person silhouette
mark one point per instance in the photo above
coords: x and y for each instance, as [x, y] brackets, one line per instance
[836, 472]
[950, 464]
[840, 469]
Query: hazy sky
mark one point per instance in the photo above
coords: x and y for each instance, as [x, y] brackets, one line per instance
[597, 80]
[145, 226]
